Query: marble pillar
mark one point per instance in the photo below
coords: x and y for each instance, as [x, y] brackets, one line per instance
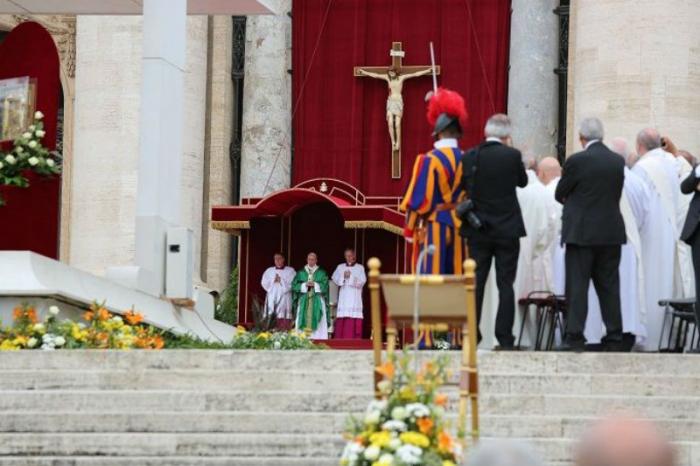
[216, 245]
[635, 64]
[266, 154]
[106, 140]
[532, 84]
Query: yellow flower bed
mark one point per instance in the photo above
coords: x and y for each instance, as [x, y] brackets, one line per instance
[100, 330]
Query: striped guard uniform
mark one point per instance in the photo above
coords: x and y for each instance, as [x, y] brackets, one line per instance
[431, 196]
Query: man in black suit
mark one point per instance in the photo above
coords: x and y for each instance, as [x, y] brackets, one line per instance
[691, 232]
[491, 172]
[593, 231]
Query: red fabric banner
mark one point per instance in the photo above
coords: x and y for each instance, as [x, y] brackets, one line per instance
[340, 128]
[31, 218]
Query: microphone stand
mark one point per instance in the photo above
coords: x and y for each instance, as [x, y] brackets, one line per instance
[416, 294]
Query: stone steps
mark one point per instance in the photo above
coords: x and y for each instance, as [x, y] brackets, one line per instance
[352, 361]
[333, 381]
[295, 423]
[201, 407]
[169, 461]
[679, 407]
[246, 446]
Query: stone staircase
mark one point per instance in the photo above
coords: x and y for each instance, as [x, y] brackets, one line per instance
[176, 408]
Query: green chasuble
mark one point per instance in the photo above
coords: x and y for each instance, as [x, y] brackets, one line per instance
[301, 299]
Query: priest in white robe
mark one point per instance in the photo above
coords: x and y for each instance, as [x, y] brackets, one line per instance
[277, 283]
[534, 264]
[549, 172]
[634, 206]
[350, 278]
[659, 234]
[685, 273]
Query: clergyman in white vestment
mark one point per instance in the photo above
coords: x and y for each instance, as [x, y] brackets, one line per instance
[549, 172]
[277, 283]
[659, 235]
[350, 278]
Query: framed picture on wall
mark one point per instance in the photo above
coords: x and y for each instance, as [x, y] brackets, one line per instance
[17, 104]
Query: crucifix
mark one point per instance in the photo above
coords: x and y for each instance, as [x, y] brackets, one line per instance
[395, 75]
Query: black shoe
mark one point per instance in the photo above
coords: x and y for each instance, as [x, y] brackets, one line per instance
[572, 347]
[505, 348]
[615, 347]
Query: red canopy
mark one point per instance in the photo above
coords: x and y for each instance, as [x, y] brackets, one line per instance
[357, 210]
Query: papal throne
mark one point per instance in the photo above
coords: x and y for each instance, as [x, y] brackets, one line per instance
[442, 299]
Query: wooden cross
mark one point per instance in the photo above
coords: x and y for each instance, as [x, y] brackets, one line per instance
[395, 75]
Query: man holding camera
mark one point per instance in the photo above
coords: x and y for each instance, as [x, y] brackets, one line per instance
[492, 221]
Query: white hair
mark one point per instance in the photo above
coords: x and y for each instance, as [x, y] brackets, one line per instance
[498, 126]
[649, 138]
[503, 452]
[620, 146]
[591, 129]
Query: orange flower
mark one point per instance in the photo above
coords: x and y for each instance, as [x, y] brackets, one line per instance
[17, 313]
[425, 425]
[103, 314]
[88, 315]
[158, 342]
[386, 369]
[441, 399]
[444, 441]
[31, 315]
[132, 317]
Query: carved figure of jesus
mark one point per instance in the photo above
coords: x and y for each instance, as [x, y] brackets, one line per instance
[394, 103]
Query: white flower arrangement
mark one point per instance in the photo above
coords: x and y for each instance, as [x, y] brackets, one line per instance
[407, 425]
[30, 154]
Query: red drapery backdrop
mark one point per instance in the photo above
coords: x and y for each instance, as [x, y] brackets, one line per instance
[340, 128]
[31, 218]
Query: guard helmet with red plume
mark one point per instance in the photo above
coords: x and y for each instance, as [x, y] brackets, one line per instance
[446, 108]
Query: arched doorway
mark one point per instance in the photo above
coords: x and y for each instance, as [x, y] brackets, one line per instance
[31, 217]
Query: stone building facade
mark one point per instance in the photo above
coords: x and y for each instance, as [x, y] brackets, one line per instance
[622, 68]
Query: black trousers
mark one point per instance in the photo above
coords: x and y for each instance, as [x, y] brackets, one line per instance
[600, 263]
[694, 242]
[505, 251]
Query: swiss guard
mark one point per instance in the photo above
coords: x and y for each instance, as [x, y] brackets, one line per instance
[434, 190]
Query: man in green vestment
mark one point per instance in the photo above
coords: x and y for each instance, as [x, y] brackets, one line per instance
[310, 288]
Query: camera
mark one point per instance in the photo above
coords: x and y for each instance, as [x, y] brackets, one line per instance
[465, 211]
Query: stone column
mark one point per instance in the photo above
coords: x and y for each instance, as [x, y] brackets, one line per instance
[266, 153]
[635, 64]
[216, 245]
[106, 140]
[532, 84]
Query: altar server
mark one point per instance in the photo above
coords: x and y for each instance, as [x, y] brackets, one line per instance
[310, 288]
[350, 278]
[659, 234]
[433, 191]
[277, 283]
